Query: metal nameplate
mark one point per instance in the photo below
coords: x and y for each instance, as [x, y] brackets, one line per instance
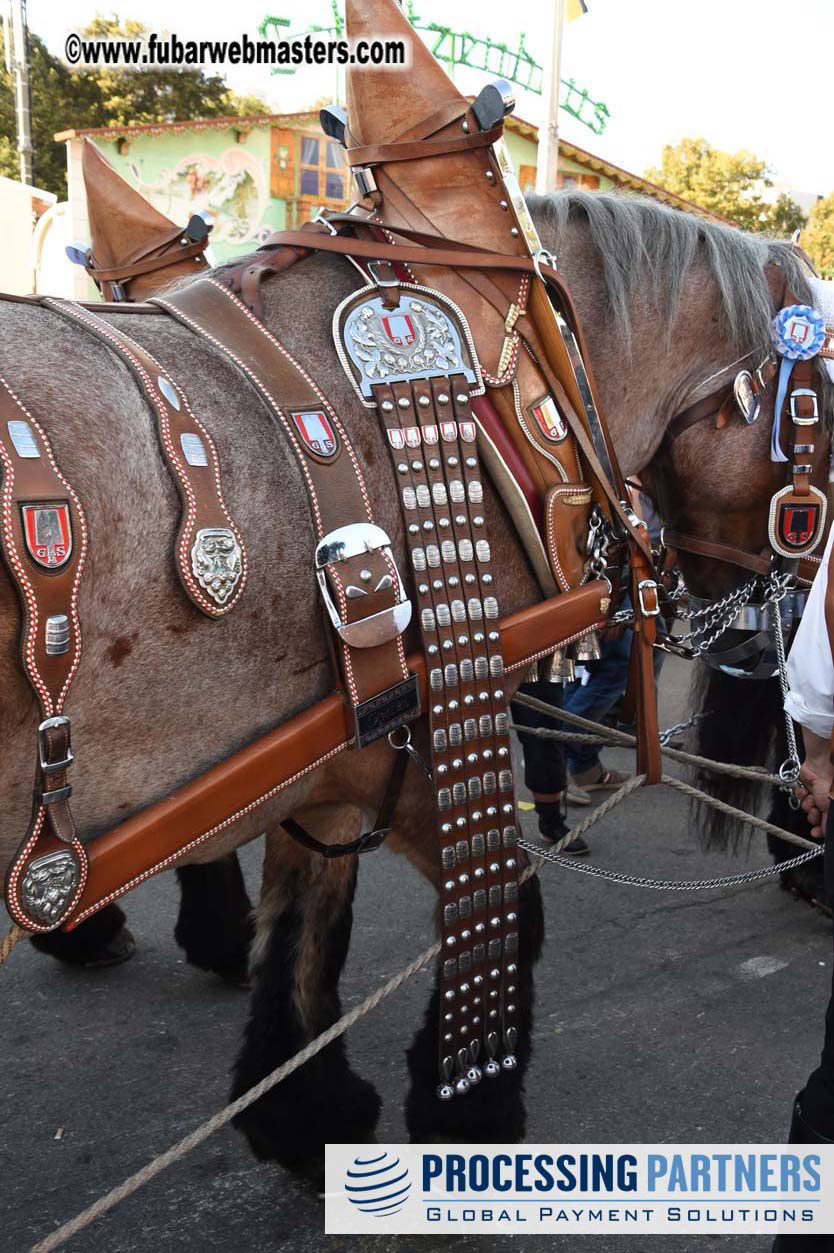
[21, 435]
[193, 448]
[387, 710]
[426, 336]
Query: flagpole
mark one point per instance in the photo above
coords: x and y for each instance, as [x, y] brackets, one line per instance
[547, 162]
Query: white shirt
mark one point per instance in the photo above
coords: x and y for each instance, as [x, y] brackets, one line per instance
[810, 700]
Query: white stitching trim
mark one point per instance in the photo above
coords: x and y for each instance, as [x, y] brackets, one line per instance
[122, 344]
[559, 490]
[221, 826]
[31, 622]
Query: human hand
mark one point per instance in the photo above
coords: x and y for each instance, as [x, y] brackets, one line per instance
[812, 791]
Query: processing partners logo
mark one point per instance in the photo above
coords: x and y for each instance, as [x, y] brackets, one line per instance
[378, 1184]
[582, 1189]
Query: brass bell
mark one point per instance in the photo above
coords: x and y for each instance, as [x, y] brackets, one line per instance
[587, 648]
[532, 675]
[560, 668]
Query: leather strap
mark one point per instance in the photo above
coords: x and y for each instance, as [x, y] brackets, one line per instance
[43, 538]
[209, 552]
[147, 265]
[369, 840]
[756, 563]
[418, 149]
[705, 408]
[361, 586]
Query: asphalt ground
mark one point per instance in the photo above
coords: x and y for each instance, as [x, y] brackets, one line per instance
[661, 1017]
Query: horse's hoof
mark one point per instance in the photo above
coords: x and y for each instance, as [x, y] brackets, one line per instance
[235, 975]
[103, 940]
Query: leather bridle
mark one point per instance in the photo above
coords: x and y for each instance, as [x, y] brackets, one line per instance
[754, 617]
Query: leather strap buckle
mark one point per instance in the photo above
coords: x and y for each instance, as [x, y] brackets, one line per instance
[354, 541]
[802, 421]
[648, 587]
[372, 840]
[378, 281]
[52, 724]
[322, 219]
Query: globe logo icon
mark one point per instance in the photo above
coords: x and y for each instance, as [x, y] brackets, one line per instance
[378, 1185]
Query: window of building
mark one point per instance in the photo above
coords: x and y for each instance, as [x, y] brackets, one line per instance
[322, 168]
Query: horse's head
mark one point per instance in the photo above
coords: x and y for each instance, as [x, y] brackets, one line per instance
[674, 308]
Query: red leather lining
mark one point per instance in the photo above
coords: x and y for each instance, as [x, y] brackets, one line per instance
[484, 411]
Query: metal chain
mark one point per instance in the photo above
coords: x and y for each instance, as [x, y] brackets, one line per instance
[668, 885]
[789, 769]
[711, 623]
[677, 727]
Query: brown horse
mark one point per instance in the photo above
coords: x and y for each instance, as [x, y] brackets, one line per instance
[666, 300]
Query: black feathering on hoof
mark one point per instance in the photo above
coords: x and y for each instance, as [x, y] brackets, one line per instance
[215, 926]
[494, 1110]
[324, 1101]
[101, 940]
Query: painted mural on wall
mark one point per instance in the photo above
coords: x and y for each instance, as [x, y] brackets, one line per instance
[230, 189]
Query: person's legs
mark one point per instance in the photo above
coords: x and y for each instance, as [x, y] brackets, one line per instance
[545, 774]
[816, 1102]
[813, 1111]
[594, 700]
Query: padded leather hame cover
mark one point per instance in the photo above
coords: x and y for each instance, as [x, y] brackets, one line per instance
[126, 228]
[460, 195]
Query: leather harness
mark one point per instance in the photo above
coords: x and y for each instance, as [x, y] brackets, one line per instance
[437, 383]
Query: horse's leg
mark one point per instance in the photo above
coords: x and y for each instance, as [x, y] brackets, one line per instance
[303, 926]
[102, 940]
[494, 1110]
[215, 926]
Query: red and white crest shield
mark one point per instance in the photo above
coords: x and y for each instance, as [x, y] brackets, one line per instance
[549, 420]
[47, 530]
[316, 431]
[400, 329]
[796, 522]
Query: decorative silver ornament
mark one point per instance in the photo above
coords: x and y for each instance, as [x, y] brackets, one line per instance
[49, 885]
[216, 561]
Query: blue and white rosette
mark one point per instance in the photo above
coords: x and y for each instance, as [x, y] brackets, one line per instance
[797, 333]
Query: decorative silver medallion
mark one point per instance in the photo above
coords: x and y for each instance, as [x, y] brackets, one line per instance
[426, 336]
[49, 885]
[216, 562]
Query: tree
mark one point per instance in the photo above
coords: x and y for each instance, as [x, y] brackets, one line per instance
[64, 98]
[818, 237]
[729, 184]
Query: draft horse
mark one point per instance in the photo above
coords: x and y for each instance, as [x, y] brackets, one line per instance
[668, 301]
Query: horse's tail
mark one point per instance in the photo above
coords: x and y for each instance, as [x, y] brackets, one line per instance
[742, 725]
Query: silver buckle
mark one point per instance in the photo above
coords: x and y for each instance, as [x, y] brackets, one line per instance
[804, 391]
[543, 257]
[353, 541]
[323, 220]
[648, 585]
[49, 724]
[381, 282]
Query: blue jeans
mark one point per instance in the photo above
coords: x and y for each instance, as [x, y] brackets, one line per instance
[608, 682]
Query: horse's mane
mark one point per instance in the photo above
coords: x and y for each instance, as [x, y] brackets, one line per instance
[635, 237]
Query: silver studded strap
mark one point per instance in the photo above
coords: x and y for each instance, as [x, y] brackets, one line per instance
[431, 435]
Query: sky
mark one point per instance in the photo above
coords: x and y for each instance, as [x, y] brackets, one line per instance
[740, 73]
